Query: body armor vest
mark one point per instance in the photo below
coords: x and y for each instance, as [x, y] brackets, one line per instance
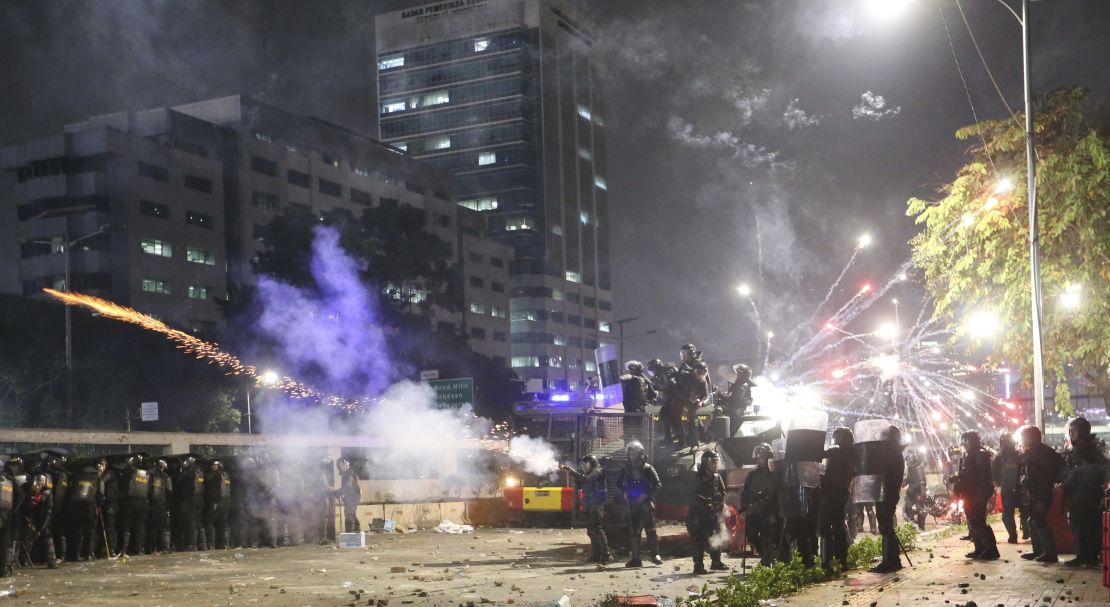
[86, 488]
[139, 487]
[157, 488]
[7, 495]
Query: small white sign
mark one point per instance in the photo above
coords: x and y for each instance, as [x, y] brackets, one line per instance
[430, 374]
[148, 411]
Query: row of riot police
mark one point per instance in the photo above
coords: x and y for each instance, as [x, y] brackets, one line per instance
[680, 390]
[639, 483]
[52, 509]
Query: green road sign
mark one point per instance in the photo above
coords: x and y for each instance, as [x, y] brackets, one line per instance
[453, 393]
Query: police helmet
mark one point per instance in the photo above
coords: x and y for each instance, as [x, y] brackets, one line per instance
[762, 450]
[40, 481]
[635, 450]
[216, 465]
[971, 439]
[634, 367]
[894, 434]
[589, 459]
[709, 456]
[1082, 426]
[843, 437]
[162, 464]
[911, 458]
[1032, 432]
[742, 371]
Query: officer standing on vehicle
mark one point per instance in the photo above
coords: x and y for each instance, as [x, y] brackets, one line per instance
[974, 483]
[36, 515]
[217, 501]
[834, 494]
[893, 472]
[590, 480]
[913, 511]
[640, 482]
[759, 500]
[636, 390]
[703, 520]
[136, 506]
[689, 394]
[738, 399]
[161, 491]
[1040, 469]
[1004, 469]
[1084, 479]
[350, 494]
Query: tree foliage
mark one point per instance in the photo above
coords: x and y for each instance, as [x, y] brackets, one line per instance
[974, 249]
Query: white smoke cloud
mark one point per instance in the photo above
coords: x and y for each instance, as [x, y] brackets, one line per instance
[874, 108]
[536, 455]
[795, 118]
[749, 154]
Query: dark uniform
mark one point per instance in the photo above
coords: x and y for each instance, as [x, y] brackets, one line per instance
[893, 472]
[689, 392]
[36, 515]
[1084, 479]
[350, 494]
[640, 482]
[60, 481]
[913, 511]
[759, 501]
[82, 510]
[636, 391]
[9, 499]
[738, 399]
[1040, 469]
[161, 492]
[703, 519]
[109, 508]
[217, 502]
[974, 484]
[189, 494]
[1005, 469]
[591, 482]
[834, 494]
[136, 508]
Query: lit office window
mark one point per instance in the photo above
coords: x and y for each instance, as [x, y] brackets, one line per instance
[198, 255]
[518, 223]
[389, 62]
[435, 98]
[151, 285]
[584, 217]
[600, 182]
[488, 203]
[439, 143]
[591, 366]
[477, 308]
[497, 312]
[393, 106]
[198, 292]
[160, 248]
[585, 154]
[485, 158]
[481, 44]
[557, 230]
[583, 111]
[603, 327]
[523, 315]
[555, 361]
[526, 361]
[557, 295]
[560, 340]
[573, 277]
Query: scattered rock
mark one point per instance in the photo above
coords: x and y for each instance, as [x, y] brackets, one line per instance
[397, 569]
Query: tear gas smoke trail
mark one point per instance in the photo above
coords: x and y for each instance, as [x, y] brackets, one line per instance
[536, 455]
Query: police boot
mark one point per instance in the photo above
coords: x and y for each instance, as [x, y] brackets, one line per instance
[62, 545]
[634, 549]
[166, 541]
[653, 545]
[699, 563]
[125, 544]
[871, 524]
[715, 561]
[202, 539]
[51, 556]
[227, 537]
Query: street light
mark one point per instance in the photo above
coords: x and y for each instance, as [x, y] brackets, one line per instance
[1071, 297]
[266, 379]
[983, 324]
[863, 241]
[620, 335]
[744, 290]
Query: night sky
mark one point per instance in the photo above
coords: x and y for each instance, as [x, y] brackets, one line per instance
[731, 124]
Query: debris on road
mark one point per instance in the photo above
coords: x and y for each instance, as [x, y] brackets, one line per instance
[448, 527]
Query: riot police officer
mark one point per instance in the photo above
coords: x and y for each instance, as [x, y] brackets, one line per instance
[83, 509]
[636, 390]
[738, 398]
[36, 515]
[109, 498]
[689, 393]
[1040, 469]
[834, 494]
[703, 520]
[350, 494]
[1004, 469]
[913, 510]
[640, 482]
[136, 506]
[9, 498]
[893, 472]
[161, 492]
[189, 493]
[759, 501]
[60, 481]
[660, 374]
[217, 502]
[590, 480]
[974, 484]
[1084, 479]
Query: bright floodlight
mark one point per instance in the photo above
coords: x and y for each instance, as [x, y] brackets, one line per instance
[770, 334]
[269, 376]
[887, 10]
[863, 241]
[744, 290]
[903, 276]
[967, 219]
[983, 324]
[887, 330]
[1004, 185]
[1071, 297]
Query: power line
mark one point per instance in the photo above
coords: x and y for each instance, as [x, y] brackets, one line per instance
[967, 91]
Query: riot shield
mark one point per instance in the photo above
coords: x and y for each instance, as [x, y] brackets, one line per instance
[871, 450]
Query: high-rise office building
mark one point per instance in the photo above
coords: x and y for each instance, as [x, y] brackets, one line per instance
[506, 95]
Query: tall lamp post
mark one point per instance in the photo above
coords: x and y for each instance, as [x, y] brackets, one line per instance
[620, 335]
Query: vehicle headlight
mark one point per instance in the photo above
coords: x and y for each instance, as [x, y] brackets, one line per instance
[511, 481]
